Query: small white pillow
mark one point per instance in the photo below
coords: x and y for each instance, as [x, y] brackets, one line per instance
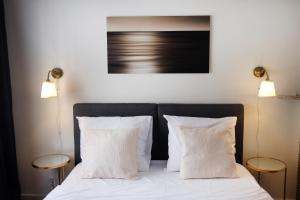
[143, 123]
[207, 152]
[174, 122]
[110, 153]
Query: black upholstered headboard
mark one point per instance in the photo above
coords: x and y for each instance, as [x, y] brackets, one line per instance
[160, 129]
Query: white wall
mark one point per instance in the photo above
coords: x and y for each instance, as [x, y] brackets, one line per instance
[72, 35]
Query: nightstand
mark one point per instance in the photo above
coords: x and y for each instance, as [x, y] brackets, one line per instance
[53, 161]
[267, 165]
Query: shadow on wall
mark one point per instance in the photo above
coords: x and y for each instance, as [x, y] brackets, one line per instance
[23, 90]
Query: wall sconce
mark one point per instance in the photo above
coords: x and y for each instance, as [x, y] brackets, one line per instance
[49, 87]
[266, 88]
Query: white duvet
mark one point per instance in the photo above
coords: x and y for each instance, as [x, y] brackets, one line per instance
[158, 184]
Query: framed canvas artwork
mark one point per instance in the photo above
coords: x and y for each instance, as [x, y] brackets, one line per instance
[158, 44]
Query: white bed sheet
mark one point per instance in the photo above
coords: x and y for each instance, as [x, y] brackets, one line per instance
[158, 184]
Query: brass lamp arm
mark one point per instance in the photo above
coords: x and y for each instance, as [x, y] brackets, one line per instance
[268, 78]
[48, 76]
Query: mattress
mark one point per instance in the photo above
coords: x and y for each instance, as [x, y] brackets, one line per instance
[159, 184]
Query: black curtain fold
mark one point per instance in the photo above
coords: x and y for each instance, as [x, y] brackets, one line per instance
[9, 183]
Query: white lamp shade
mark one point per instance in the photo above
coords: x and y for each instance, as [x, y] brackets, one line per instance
[48, 89]
[266, 89]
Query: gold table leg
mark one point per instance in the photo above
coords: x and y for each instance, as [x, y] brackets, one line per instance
[61, 175]
[284, 184]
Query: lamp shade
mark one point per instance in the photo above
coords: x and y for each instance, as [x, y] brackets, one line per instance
[266, 89]
[48, 89]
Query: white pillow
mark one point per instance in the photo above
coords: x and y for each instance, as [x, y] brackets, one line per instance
[109, 153]
[143, 123]
[174, 122]
[207, 152]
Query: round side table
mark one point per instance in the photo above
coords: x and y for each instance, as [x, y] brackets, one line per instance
[53, 161]
[267, 165]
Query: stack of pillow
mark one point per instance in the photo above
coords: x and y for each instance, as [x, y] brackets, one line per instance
[119, 147]
[115, 147]
[202, 147]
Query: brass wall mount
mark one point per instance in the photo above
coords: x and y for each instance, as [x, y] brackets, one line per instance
[260, 71]
[57, 73]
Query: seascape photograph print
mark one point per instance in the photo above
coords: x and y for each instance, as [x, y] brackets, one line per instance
[166, 44]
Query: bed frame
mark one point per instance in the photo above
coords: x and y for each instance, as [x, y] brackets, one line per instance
[160, 129]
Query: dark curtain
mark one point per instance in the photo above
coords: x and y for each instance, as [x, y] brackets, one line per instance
[9, 183]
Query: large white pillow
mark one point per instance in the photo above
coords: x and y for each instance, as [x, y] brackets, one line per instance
[143, 123]
[174, 122]
[207, 152]
[109, 153]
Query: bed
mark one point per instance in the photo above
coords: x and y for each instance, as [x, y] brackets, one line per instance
[157, 183]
